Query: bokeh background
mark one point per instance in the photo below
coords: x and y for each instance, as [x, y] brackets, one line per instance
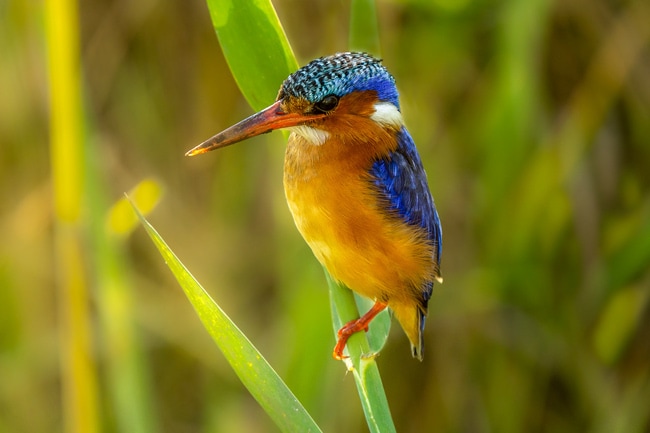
[533, 121]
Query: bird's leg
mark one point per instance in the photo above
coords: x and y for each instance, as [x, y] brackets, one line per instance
[353, 326]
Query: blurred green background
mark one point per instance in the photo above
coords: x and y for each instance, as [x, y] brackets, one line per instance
[533, 121]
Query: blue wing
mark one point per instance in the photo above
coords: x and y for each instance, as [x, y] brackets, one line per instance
[401, 179]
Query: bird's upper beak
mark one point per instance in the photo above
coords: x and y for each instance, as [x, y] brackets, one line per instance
[267, 120]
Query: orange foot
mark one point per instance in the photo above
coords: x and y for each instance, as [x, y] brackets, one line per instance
[353, 326]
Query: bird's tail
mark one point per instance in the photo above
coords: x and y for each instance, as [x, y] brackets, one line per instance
[412, 318]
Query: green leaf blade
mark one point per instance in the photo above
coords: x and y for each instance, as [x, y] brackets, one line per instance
[253, 370]
[255, 46]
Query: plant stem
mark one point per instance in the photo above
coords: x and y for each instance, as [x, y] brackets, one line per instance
[79, 382]
[361, 361]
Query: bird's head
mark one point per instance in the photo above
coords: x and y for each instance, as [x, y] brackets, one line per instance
[331, 95]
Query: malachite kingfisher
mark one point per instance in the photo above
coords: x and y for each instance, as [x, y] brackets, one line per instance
[355, 186]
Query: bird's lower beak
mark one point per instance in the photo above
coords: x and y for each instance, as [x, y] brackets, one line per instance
[267, 120]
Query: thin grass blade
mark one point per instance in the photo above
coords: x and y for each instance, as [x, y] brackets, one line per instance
[248, 363]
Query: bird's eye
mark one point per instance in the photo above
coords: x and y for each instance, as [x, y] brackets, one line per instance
[327, 104]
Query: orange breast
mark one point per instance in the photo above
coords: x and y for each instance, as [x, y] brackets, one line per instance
[341, 217]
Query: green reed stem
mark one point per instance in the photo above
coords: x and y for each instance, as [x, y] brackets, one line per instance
[79, 382]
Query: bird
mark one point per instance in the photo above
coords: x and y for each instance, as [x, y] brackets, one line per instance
[355, 186]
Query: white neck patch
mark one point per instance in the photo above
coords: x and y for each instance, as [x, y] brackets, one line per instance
[316, 137]
[387, 114]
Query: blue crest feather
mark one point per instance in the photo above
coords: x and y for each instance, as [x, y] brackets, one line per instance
[339, 75]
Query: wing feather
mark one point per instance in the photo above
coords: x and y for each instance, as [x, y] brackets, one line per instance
[401, 180]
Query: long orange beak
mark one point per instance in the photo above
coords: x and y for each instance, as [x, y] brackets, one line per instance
[267, 120]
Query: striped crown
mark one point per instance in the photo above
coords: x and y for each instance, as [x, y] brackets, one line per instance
[339, 75]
